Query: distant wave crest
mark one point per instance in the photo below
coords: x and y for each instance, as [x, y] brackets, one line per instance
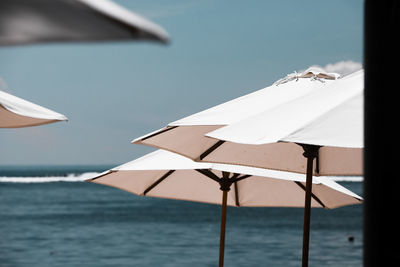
[50, 179]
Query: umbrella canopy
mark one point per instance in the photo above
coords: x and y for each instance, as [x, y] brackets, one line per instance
[169, 175]
[16, 113]
[36, 21]
[261, 129]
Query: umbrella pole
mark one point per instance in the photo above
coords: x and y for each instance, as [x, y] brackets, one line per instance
[225, 182]
[223, 226]
[310, 152]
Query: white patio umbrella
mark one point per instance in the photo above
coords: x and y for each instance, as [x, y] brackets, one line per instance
[271, 128]
[16, 112]
[38, 21]
[169, 175]
[301, 101]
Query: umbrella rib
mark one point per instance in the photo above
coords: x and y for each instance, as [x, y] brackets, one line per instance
[236, 194]
[234, 176]
[312, 194]
[162, 178]
[95, 178]
[242, 178]
[317, 163]
[159, 132]
[236, 179]
[211, 149]
[209, 174]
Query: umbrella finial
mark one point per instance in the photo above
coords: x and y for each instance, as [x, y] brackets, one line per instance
[225, 182]
[310, 151]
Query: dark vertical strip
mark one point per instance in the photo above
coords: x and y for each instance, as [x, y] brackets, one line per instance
[381, 181]
[307, 212]
[310, 153]
[236, 194]
[225, 175]
[223, 227]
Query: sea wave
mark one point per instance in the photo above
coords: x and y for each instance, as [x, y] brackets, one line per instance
[50, 179]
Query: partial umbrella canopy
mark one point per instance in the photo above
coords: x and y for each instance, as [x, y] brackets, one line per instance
[169, 175]
[263, 129]
[16, 112]
[42, 21]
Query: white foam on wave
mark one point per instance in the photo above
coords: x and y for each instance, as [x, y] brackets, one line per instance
[50, 179]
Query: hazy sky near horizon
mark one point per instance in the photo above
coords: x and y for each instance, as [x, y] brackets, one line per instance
[115, 92]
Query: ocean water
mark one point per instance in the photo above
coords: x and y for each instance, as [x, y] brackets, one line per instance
[50, 218]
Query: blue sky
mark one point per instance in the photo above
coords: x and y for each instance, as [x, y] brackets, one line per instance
[115, 92]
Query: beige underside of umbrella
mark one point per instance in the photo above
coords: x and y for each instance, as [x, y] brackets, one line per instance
[190, 141]
[12, 120]
[254, 191]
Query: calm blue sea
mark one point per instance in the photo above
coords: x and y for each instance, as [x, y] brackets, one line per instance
[50, 218]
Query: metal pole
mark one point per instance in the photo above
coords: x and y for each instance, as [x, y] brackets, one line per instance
[310, 152]
[307, 212]
[223, 226]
